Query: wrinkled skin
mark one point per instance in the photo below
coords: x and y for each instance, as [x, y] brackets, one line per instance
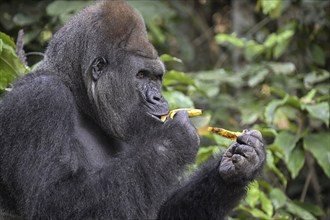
[80, 136]
[243, 158]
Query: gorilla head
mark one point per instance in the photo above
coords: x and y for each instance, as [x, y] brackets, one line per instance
[116, 76]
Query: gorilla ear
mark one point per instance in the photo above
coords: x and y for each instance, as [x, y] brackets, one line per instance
[97, 67]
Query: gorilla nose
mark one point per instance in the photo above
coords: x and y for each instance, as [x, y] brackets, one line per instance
[156, 99]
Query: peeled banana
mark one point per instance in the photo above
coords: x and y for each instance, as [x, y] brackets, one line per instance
[225, 133]
[191, 112]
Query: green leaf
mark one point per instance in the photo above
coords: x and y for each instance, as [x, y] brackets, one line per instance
[277, 91]
[258, 77]
[270, 40]
[266, 204]
[10, 65]
[282, 68]
[323, 97]
[177, 99]
[287, 141]
[7, 40]
[272, 106]
[315, 77]
[271, 109]
[56, 8]
[25, 20]
[174, 77]
[168, 58]
[309, 96]
[259, 214]
[254, 212]
[314, 209]
[318, 55]
[296, 161]
[248, 117]
[299, 211]
[278, 198]
[271, 164]
[319, 146]
[253, 50]
[201, 121]
[224, 38]
[273, 7]
[293, 101]
[253, 194]
[319, 111]
[283, 39]
[157, 32]
[204, 153]
[222, 141]
[154, 11]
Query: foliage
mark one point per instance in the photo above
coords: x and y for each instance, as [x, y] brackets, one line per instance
[288, 105]
[10, 65]
[296, 127]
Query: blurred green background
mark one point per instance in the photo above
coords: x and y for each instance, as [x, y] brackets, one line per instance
[255, 64]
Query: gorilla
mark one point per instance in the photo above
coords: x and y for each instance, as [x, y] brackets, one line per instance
[81, 138]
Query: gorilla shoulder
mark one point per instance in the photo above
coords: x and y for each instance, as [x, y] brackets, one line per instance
[38, 94]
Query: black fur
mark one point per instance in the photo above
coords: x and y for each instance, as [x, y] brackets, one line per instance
[80, 136]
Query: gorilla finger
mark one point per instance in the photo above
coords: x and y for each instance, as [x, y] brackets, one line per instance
[242, 164]
[246, 151]
[181, 119]
[226, 165]
[232, 147]
[248, 139]
[237, 159]
[255, 133]
[182, 116]
[253, 142]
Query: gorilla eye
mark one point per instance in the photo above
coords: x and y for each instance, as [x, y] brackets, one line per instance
[140, 74]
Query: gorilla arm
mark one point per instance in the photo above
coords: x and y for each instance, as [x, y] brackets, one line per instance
[220, 184]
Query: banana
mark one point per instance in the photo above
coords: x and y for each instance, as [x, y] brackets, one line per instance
[225, 133]
[191, 112]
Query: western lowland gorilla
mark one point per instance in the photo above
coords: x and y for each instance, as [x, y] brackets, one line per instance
[81, 138]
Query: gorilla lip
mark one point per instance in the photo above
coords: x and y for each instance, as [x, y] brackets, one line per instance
[155, 116]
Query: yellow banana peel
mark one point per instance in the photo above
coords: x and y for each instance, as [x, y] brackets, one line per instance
[225, 133]
[191, 112]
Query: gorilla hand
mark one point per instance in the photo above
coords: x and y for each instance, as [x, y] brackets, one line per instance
[180, 134]
[244, 159]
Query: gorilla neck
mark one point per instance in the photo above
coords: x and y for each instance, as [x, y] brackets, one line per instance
[98, 147]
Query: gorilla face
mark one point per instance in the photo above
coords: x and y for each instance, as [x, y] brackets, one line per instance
[125, 75]
[127, 92]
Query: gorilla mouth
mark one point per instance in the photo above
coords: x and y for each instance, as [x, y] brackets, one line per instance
[155, 117]
[158, 116]
[158, 110]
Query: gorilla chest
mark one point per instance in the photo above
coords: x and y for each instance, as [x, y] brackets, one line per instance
[98, 148]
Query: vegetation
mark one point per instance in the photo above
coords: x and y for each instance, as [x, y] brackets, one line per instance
[268, 71]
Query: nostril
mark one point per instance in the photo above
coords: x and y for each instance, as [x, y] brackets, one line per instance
[156, 98]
